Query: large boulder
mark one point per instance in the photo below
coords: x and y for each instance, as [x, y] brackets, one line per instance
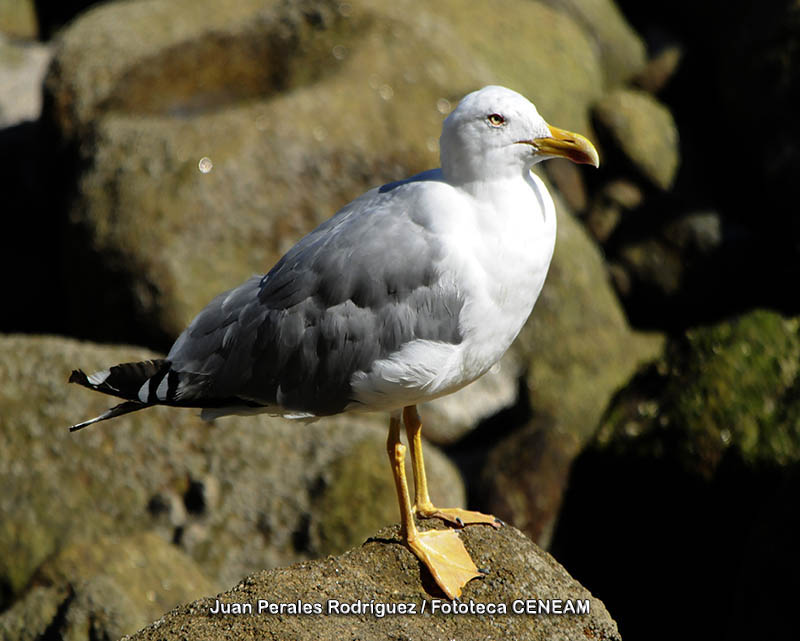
[643, 131]
[378, 578]
[622, 50]
[18, 19]
[238, 495]
[723, 390]
[104, 588]
[22, 70]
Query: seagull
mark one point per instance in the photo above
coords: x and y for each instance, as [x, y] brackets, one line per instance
[410, 292]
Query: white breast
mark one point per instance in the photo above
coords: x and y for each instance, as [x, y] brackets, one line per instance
[503, 269]
[498, 248]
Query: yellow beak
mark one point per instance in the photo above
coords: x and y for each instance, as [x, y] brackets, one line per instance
[567, 145]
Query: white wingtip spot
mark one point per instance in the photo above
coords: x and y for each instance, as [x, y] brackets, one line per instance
[98, 378]
[144, 391]
[161, 390]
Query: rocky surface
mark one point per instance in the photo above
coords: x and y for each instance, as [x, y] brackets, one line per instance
[104, 588]
[717, 390]
[240, 494]
[22, 69]
[384, 572]
[643, 130]
[525, 476]
[18, 18]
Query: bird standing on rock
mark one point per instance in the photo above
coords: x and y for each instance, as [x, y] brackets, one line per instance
[410, 292]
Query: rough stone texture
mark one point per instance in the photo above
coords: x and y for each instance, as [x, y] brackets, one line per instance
[525, 476]
[241, 494]
[104, 589]
[733, 386]
[739, 73]
[676, 264]
[616, 199]
[22, 69]
[644, 131]
[387, 572]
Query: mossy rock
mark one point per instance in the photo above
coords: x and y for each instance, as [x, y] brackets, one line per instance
[734, 386]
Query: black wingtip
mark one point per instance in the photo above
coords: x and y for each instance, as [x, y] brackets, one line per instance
[117, 410]
[79, 376]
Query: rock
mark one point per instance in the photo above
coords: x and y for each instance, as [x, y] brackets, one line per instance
[18, 19]
[726, 388]
[29, 618]
[384, 572]
[644, 132]
[104, 589]
[616, 198]
[22, 69]
[622, 50]
[525, 477]
[52, 16]
[560, 69]
[684, 474]
[681, 271]
[567, 178]
[660, 69]
[241, 494]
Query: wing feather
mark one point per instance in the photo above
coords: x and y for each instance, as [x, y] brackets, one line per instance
[353, 291]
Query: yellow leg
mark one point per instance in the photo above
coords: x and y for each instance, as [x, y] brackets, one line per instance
[441, 551]
[422, 500]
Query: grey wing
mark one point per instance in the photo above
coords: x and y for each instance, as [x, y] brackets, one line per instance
[351, 292]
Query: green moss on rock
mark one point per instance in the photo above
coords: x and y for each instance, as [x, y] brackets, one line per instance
[734, 386]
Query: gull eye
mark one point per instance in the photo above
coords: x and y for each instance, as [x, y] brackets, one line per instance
[496, 120]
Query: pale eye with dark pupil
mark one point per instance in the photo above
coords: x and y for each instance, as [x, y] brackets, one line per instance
[496, 120]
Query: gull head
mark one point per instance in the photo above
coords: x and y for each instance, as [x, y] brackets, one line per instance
[497, 133]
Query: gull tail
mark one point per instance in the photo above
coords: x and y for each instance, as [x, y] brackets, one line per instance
[140, 384]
